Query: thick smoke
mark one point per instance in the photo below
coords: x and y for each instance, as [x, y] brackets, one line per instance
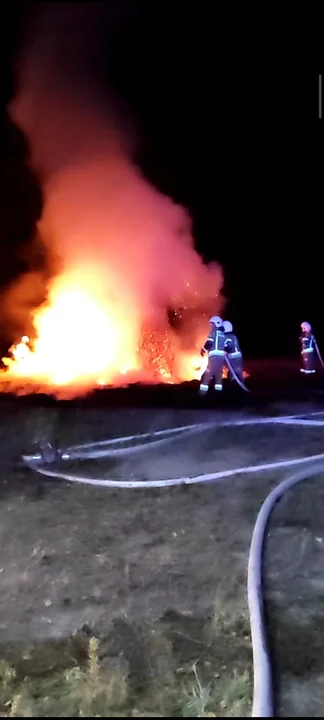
[102, 220]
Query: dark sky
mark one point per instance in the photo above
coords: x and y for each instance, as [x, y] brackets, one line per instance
[233, 137]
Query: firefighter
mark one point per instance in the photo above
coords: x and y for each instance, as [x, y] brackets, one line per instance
[233, 350]
[308, 349]
[214, 345]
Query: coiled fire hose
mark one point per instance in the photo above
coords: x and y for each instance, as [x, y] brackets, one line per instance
[263, 696]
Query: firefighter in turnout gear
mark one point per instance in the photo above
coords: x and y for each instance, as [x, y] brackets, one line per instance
[214, 345]
[233, 350]
[308, 349]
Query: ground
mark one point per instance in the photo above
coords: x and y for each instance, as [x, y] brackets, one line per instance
[157, 575]
[294, 562]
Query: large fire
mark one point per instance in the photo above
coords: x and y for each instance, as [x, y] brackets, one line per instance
[82, 342]
[125, 251]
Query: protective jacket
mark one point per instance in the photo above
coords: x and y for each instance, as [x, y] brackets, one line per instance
[308, 353]
[215, 343]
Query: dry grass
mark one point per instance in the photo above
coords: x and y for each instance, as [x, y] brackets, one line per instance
[98, 691]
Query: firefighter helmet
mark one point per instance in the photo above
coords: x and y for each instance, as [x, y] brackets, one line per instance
[216, 320]
[306, 327]
[228, 327]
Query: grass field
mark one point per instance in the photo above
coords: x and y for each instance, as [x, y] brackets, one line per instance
[133, 602]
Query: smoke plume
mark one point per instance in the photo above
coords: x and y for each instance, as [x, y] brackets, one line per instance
[103, 223]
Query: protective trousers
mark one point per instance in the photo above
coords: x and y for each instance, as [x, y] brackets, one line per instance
[308, 361]
[236, 361]
[213, 372]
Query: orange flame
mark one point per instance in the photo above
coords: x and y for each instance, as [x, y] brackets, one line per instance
[127, 250]
[79, 340]
[82, 341]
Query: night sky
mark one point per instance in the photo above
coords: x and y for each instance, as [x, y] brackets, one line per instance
[232, 138]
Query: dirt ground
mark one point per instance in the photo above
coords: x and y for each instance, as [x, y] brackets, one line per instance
[157, 575]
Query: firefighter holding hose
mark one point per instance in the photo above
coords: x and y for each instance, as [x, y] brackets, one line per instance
[214, 346]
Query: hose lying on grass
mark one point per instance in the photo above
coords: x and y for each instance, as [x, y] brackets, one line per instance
[263, 702]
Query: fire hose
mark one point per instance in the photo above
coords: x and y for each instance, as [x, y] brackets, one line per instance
[235, 375]
[263, 694]
[318, 353]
